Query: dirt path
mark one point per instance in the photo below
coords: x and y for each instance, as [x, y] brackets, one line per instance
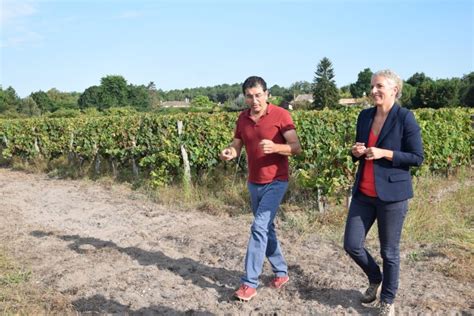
[110, 250]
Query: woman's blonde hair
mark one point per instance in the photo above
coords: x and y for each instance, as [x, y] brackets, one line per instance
[392, 78]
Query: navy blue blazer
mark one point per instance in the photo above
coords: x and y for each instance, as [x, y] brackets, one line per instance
[401, 134]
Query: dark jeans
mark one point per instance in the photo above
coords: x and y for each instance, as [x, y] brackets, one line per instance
[363, 212]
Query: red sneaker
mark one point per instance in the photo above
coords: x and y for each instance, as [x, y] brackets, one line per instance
[278, 282]
[245, 293]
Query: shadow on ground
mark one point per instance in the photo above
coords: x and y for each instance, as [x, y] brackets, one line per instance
[223, 280]
[99, 304]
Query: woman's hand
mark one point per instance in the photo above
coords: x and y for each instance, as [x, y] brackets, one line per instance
[358, 149]
[374, 153]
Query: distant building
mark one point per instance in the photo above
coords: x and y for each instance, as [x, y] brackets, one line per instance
[345, 101]
[303, 97]
[176, 104]
[353, 101]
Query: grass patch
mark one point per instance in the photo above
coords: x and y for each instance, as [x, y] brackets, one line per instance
[305, 221]
[10, 274]
[441, 216]
[442, 211]
[217, 194]
[19, 296]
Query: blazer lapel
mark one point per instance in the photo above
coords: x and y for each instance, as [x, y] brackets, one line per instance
[389, 122]
[367, 126]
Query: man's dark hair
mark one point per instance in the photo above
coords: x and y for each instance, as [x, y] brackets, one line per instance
[252, 82]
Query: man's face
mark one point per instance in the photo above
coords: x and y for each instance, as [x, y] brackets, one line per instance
[256, 99]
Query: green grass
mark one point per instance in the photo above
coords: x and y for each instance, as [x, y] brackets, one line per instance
[19, 295]
[442, 210]
[220, 194]
[441, 218]
[11, 274]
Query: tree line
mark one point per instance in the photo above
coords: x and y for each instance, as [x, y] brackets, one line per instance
[419, 91]
[114, 94]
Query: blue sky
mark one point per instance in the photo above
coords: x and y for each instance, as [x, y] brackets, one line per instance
[71, 44]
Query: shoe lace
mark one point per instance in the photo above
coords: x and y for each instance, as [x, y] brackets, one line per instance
[384, 308]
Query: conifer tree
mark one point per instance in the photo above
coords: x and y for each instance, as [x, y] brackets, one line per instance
[325, 92]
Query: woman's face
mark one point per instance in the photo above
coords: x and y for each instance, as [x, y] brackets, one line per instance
[382, 91]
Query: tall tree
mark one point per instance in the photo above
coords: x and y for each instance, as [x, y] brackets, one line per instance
[202, 101]
[29, 107]
[282, 92]
[153, 95]
[417, 79]
[90, 98]
[362, 86]
[43, 101]
[9, 100]
[408, 93]
[325, 92]
[466, 90]
[437, 94]
[139, 97]
[114, 92]
[220, 93]
[63, 100]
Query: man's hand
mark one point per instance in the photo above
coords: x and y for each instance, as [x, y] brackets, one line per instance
[228, 153]
[268, 146]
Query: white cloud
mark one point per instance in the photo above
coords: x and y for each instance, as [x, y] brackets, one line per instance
[26, 37]
[15, 23]
[12, 10]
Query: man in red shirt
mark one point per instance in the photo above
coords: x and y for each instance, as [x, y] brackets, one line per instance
[269, 136]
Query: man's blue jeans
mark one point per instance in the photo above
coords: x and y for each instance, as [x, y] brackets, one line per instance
[364, 210]
[265, 201]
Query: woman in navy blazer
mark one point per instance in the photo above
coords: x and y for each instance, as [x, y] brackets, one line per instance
[388, 142]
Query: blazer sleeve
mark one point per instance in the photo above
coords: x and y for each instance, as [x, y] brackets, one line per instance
[411, 153]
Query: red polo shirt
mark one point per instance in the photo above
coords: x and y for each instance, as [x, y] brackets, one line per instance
[264, 168]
